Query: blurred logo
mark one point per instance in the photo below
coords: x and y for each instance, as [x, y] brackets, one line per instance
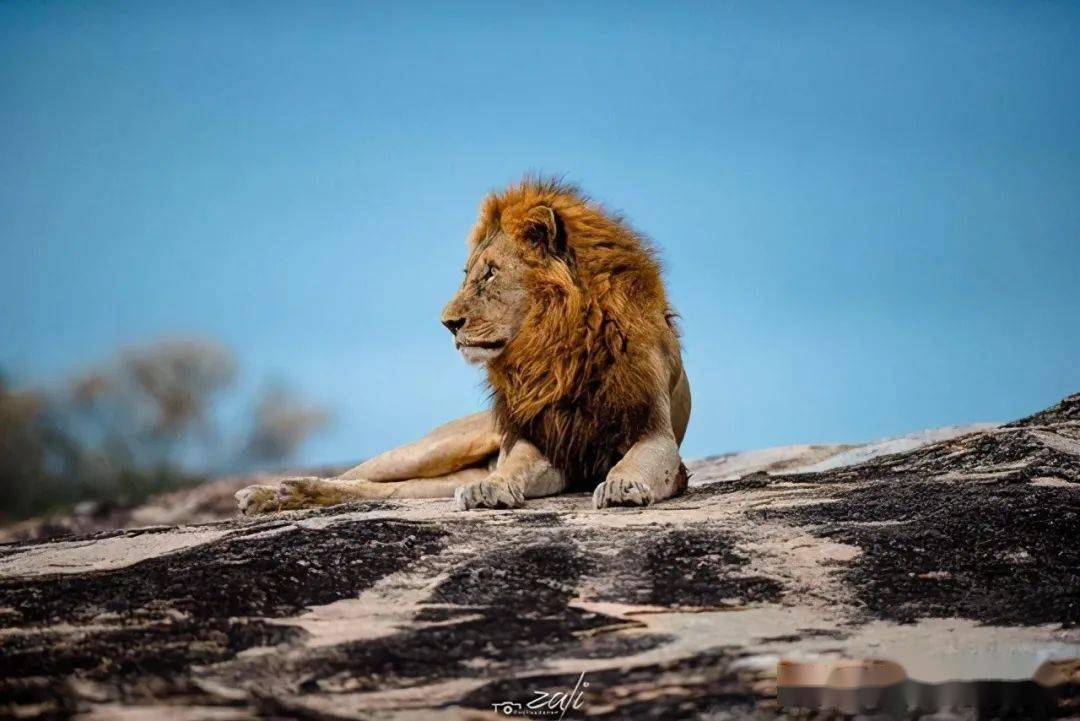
[871, 686]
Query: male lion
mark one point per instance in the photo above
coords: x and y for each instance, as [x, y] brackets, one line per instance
[564, 305]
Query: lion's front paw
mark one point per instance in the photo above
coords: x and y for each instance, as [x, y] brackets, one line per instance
[489, 493]
[257, 499]
[622, 492]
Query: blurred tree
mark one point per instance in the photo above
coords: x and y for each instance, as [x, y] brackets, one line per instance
[281, 423]
[143, 407]
[142, 423]
[35, 454]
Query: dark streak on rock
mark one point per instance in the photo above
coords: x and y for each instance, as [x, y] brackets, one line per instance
[162, 648]
[274, 575]
[696, 566]
[975, 551]
[548, 520]
[751, 482]
[540, 575]
[699, 568]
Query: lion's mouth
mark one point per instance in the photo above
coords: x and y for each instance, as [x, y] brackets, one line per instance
[484, 344]
[480, 351]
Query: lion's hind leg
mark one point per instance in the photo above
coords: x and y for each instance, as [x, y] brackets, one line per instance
[309, 492]
[454, 454]
[462, 443]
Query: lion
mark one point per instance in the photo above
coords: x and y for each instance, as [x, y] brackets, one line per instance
[564, 306]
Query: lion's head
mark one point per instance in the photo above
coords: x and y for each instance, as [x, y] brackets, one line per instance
[489, 309]
[517, 244]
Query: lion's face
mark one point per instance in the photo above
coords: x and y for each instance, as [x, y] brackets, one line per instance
[491, 306]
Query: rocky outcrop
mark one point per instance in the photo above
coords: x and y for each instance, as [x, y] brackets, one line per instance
[953, 554]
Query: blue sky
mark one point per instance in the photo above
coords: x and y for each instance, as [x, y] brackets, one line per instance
[869, 212]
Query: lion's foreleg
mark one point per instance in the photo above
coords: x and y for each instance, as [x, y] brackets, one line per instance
[459, 444]
[294, 493]
[522, 472]
[650, 471]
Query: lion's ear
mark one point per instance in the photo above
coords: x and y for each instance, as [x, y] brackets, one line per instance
[544, 228]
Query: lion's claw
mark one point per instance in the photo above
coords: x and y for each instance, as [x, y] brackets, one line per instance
[489, 493]
[622, 492]
[257, 499]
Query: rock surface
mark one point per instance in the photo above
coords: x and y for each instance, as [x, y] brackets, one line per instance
[955, 553]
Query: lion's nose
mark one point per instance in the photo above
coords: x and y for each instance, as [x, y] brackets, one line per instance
[453, 324]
